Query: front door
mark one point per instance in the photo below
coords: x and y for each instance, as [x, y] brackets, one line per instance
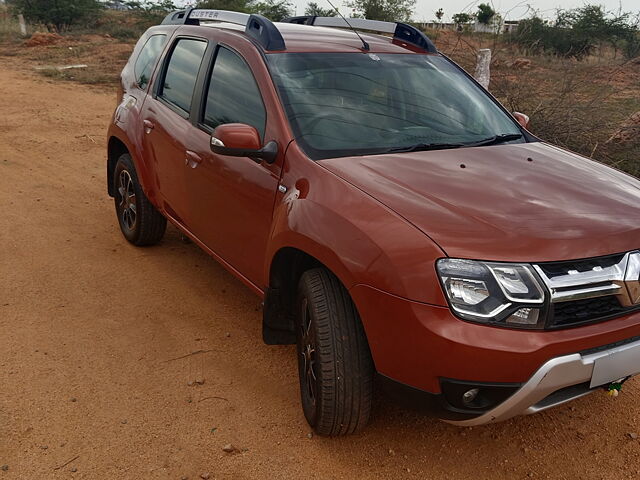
[232, 197]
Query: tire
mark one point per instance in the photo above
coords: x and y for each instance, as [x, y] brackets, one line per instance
[334, 361]
[140, 222]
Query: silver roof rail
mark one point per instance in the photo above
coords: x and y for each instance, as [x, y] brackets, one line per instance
[401, 31]
[258, 27]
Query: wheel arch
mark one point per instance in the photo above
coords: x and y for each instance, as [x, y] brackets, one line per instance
[115, 149]
[285, 269]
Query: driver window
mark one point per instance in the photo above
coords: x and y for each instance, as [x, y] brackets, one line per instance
[233, 96]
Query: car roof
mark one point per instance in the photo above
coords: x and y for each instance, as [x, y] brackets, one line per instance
[310, 38]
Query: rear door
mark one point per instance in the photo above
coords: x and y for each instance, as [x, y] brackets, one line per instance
[166, 123]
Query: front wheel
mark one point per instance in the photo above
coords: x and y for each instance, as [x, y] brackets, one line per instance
[334, 361]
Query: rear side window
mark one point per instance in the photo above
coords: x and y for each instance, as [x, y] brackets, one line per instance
[182, 71]
[233, 96]
[147, 59]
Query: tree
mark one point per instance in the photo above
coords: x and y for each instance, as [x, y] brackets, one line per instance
[593, 24]
[439, 14]
[61, 14]
[316, 10]
[151, 6]
[386, 10]
[485, 13]
[244, 6]
[461, 18]
[150, 12]
[274, 10]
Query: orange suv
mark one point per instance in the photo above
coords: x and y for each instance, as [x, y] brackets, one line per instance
[398, 222]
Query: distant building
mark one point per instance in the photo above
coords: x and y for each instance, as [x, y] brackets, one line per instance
[497, 25]
[437, 26]
[510, 26]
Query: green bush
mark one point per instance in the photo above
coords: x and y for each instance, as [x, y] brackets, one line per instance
[9, 28]
[576, 33]
[60, 14]
[125, 33]
[150, 12]
[631, 48]
[536, 36]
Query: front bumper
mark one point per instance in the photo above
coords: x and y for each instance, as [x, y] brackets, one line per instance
[563, 379]
[423, 347]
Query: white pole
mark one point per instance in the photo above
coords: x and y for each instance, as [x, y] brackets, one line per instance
[23, 25]
[482, 75]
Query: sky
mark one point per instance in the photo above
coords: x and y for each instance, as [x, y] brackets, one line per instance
[510, 9]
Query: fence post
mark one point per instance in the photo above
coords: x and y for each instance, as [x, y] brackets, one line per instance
[23, 25]
[483, 75]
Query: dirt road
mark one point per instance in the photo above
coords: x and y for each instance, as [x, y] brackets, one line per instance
[95, 333]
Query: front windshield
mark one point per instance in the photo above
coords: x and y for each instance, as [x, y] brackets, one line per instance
[342, 104]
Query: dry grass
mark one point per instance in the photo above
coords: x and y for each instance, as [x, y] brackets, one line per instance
[104, 55]
[9, 27]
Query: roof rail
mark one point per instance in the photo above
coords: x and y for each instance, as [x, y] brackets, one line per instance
[401, 31]
[256, 26]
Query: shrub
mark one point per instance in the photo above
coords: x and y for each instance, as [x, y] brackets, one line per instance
[150, 12]
[576, 33]
[125, 33]
[631, 48]
[60, 14]
[535, 36]
[9, 28]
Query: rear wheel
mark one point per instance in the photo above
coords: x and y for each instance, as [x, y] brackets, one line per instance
[140, 222]
[334, 362]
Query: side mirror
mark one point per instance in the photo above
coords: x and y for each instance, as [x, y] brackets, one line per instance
[241, 140]
[522, 119]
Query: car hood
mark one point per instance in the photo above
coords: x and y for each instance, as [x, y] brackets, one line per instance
[526, 202]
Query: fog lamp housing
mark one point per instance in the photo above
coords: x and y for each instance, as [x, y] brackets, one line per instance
[474, 397]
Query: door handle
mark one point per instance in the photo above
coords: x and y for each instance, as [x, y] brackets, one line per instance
[148, 125]
[192, 159]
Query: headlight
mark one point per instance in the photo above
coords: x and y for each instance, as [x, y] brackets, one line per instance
[506, 294]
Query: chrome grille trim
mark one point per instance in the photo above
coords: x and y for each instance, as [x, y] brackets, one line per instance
[621, 279]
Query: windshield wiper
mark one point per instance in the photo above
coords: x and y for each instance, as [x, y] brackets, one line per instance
[505, 137]
[421, 147]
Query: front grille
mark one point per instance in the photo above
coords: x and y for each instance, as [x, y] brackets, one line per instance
[578, 312]
[555, 269]
[590, 290]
